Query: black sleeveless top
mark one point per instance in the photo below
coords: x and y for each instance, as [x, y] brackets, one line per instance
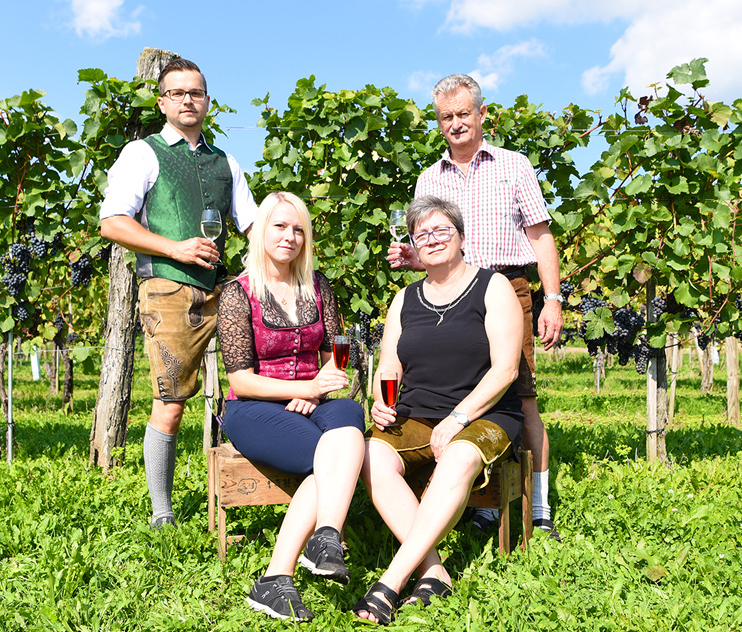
[442, 364]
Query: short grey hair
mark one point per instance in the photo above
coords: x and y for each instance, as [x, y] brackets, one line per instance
[450, 84]
[424, 206]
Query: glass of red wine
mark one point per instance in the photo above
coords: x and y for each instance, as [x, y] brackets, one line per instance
[389, 388]
[341, 351]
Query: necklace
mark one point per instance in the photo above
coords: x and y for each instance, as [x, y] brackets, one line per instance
[286, 291]
[450, 305]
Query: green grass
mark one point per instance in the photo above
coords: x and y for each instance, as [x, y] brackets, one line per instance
[646, 547]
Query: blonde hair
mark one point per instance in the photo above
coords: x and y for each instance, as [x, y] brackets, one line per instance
[302, 268]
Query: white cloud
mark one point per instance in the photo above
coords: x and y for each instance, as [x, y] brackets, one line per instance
[490, 70]
[422, 81]
[659, 35]
[102, 19]
[644, 54]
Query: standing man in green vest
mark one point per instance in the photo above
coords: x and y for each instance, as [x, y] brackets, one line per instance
[157, 191]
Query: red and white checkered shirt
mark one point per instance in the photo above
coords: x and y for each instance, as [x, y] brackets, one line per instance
[498, 197]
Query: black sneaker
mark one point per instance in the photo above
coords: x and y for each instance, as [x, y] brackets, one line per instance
[323, 555]
[159, 523]
[484, 519]
[548, 525]
[278, 598]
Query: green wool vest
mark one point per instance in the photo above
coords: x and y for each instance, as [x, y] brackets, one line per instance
[188, 182]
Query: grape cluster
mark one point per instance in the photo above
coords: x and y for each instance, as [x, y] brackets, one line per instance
[16, 266]
[59, 321]
[642, 352]
[57, 245]
[627, 325]
[20, 312]
[39, 246]
[15, 282]
[104, 254]
[355, 353]
[703, 341]
[72, 337]
[659, 306]
[81, 271]
[20, 255]
[566, 289]
[590, 303]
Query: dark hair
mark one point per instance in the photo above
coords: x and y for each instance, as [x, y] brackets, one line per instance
[178, 65]
[426, 205]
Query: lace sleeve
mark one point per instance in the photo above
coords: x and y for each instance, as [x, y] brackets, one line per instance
[330, 311]
[234, 325]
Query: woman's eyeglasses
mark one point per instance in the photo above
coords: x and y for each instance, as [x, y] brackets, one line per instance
[441, 234]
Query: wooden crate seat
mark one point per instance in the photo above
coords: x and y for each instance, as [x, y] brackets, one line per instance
[233, 481]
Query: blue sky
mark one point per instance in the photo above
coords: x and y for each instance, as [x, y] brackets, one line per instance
[556, 51]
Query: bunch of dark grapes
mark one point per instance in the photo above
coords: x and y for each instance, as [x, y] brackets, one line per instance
[566, 289]
[59, 321]
[104, 254]
[376, 336]
[568, 335]
[72, 337]
[703, 341]
[15, 282]
[355, 353]
[367, 336]
[39, 247]
[20, 312]
[81, 271]
[20, 256]
[590, 303]
[642, 352]
[57, 245]
[659, 306]
[592, 345]
[627, 324]
[738, 302]
[689, 314]
[365, 327]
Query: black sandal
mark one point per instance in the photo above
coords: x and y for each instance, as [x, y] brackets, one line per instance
[380, 601]
[425, 589]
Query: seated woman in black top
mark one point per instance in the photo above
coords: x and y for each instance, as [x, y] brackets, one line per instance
[454, 341]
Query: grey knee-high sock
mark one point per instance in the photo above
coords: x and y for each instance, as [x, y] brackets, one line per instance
[159, 465]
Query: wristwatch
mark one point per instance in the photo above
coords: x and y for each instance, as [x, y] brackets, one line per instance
[554, 297]
[460, 417]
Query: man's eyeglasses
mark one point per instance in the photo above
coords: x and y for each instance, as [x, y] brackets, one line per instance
[441, 234]
[177, 95]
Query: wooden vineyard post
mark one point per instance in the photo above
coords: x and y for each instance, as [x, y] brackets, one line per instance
[656, 394]
[117, 366]
[732, 349]
[675, 360]
[213, 398]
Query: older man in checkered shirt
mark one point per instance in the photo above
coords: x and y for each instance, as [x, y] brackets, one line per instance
[507, 229]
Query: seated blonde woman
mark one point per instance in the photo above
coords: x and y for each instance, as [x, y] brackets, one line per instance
[454, 341]
[276, 322]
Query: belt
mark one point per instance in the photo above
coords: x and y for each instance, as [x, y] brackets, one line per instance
[513, 272]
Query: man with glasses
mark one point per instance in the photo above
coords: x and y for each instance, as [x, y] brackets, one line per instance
[507, 229]
[157, 191]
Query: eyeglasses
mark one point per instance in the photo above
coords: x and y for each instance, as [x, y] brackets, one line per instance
[442, 234]
[177, 95]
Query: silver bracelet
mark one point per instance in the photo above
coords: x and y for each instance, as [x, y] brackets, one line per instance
[554, 297]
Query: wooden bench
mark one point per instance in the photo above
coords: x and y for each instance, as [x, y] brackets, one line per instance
[233, 481]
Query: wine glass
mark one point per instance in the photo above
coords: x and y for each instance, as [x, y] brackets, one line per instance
[389, 388]
[398, 228]
[211, 223]
[341, 351]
